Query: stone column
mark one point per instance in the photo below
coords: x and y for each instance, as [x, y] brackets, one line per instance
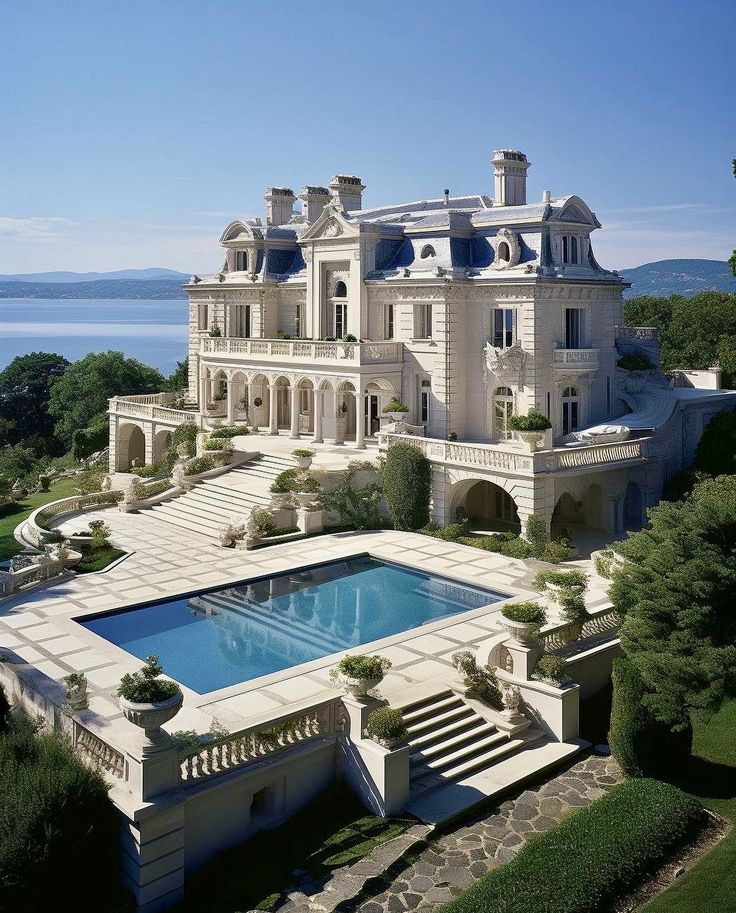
[359, 421]
[317, 437]
[273, 427]
[230, 401]
[251, 408]
[339, 420]
[294, 410]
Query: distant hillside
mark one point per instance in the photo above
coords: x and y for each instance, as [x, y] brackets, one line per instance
[679, 277]
[66, 276]
[100, 288]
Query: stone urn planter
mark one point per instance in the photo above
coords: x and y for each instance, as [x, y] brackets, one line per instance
[303, 462]
[282, 500]
[359, 687]
[70, 558]
[306, 499]
[151, 717]
[532, 439]
[555, 591]
[572, 632]
[525, 632]
[396, 416]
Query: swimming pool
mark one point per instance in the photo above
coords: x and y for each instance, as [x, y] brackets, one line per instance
[237, 633]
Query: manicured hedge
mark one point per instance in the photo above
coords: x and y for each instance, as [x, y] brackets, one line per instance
[580, 865]
[4, 710]
[640, 744]
[59, 831]
[407, 477]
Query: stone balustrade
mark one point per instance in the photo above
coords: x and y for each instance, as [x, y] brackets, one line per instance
[605, 621]
[237, 749]
[37, 523]
[580, 359]
[97, 752]
[508, 459]
[304, 350]
[150, 407]
[637, 334]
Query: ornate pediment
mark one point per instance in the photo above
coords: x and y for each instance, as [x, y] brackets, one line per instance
[331, 224]
[331, 229]
[505, 364]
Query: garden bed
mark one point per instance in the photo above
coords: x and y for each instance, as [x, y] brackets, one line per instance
[593, 857]
[98, 559]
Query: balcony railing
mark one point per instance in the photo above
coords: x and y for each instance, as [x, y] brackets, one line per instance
[507, 459]
[304, 350]
[152, 407]
[571, 359]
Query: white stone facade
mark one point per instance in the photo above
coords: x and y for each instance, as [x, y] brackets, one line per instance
[466, 309]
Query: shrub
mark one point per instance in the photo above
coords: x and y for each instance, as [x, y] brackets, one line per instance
[407, 479]
[508, 544]
[604, 563]
[307, 482]
[55, 815]
[582, 864]
[481, 681]
[573, 607]
[361, 667]
[197, 465]
[572, 578]
[99, 534]
[386, 726]
[526, 612]
[146, 686]
[89, 481]
[536, 534]
[217, 444]
[395, 405]
[551, 669]
[632, 362]
[228, 431]
[555, 552]
[350, 337]
[185, 436]
[532, 421]
[641, 745]
[358, 507]
[304, 452]
[285, 482]
[263, 523]
[716, 451]
[145, 472]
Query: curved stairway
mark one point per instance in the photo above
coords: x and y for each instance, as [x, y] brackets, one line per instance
[213, 503]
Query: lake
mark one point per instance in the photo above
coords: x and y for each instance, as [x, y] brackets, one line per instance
[154, 332]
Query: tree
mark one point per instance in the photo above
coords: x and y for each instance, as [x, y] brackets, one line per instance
[25, 390]
[81, 394]
[179, 380]
[407, 477]
[676, 591]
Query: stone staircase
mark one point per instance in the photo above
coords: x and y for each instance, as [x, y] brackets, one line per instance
[213, 503]
[450, 741]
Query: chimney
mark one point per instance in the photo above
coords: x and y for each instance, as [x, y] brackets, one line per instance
[314, 199]
[348, 189]
[509, 170]
[447, 196]
[280, 206]
[547, 196]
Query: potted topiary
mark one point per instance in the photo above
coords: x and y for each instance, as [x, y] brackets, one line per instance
[558, 583]
[303, 457]
[523, 620]
[387, 727]
[282, 488]
[530, 427]
[149, 701]
[76, 691]
[307, 488]
[575, 613]
[395, 409]
[359, 674]
[480, 682]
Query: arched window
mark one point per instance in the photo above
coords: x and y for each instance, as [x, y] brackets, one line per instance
[570, 410]
[427, 251]
[339, 310]
[241, 261]
[341, 290]
[503, 407]
[504, 252]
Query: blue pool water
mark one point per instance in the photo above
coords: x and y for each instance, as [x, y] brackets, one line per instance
[222, 637]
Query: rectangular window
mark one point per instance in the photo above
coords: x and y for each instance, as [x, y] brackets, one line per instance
[573, 328]
[549, 406]
[424, 400]
[242, 320]
[503, 328]
[241, 261]
[341, 320]
[390, 316]
[203, 317]
[424, 321]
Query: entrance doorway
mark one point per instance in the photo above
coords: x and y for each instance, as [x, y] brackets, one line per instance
[372, 415]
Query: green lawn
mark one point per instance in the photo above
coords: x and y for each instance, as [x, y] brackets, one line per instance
[333, 831]
[98, 559]
[13, 514]
[710, 887]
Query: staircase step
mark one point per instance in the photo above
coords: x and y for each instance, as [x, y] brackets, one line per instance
[430, 724]
[197, 511]
[442, 732]
[461, 753]
[473, 730]
[432, 707]
[224, 496]
[182, 523]
[487, 758]
[192, 521]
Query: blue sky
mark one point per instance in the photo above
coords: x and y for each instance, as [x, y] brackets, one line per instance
[133, 132]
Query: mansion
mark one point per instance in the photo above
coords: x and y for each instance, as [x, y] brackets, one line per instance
[467, 309]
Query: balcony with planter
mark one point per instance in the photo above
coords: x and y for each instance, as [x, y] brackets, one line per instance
[337, 353]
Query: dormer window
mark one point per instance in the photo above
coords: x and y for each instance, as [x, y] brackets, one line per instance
[569, 249]
[241, 261]
[504, 253]
[427, 251]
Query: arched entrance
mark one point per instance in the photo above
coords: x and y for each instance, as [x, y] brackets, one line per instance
[258, 410]
[633, 507]
[283, 403]
[566, 516]
[345, 411]
[131, 447]
[488, 506]
[305, 405]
